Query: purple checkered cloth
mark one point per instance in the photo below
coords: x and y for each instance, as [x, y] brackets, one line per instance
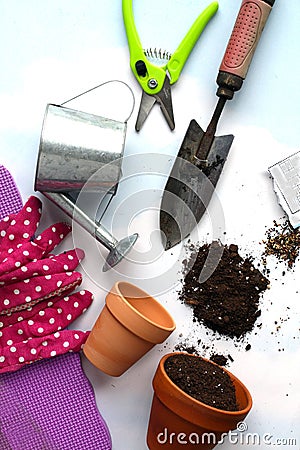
[50, 405]
[10, 198]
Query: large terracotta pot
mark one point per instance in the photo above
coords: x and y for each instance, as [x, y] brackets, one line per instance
[129, 325]
[177, 420]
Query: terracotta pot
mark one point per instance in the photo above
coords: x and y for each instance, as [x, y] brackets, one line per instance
[177, 420]
[129, 325]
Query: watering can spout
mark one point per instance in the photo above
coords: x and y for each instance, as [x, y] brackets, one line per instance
[117, 254]
[117, 249]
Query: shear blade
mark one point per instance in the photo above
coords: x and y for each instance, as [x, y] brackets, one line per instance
[147, 103]
[164, 99]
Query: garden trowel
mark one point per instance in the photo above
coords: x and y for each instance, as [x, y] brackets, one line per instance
[202, 155]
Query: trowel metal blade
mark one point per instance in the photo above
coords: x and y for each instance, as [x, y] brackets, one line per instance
[189, 189]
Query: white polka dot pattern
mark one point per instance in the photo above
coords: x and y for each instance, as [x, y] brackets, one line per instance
[36, 304]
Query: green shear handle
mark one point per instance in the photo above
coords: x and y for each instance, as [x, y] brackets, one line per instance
[174, 66]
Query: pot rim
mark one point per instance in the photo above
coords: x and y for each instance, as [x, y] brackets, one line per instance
[198, 402]
[148, 297]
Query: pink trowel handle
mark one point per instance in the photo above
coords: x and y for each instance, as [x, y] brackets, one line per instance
[245, 36]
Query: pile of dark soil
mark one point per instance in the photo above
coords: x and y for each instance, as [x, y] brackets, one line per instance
[202, 380]
[283, 242]
[228, 301]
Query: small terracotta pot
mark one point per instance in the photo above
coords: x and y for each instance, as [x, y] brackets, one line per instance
[129, 325]
[177, 420]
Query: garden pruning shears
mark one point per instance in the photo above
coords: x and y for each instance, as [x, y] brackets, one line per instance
[156, 80]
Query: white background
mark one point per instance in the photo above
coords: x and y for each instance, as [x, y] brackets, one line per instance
[53, 50]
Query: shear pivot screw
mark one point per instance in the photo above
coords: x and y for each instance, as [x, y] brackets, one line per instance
[152, 83]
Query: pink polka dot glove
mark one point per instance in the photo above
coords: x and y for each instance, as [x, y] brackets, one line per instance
[36, 299]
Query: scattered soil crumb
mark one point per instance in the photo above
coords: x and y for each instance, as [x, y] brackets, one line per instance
[283, 242]
[186, 348]
[221, 360]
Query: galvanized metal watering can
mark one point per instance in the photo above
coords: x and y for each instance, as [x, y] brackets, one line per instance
[82, 150]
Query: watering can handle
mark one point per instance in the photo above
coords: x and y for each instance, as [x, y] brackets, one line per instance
[101, 85]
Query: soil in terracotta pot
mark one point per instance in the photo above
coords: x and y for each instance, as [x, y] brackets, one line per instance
[203, 381]
[228, 302]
